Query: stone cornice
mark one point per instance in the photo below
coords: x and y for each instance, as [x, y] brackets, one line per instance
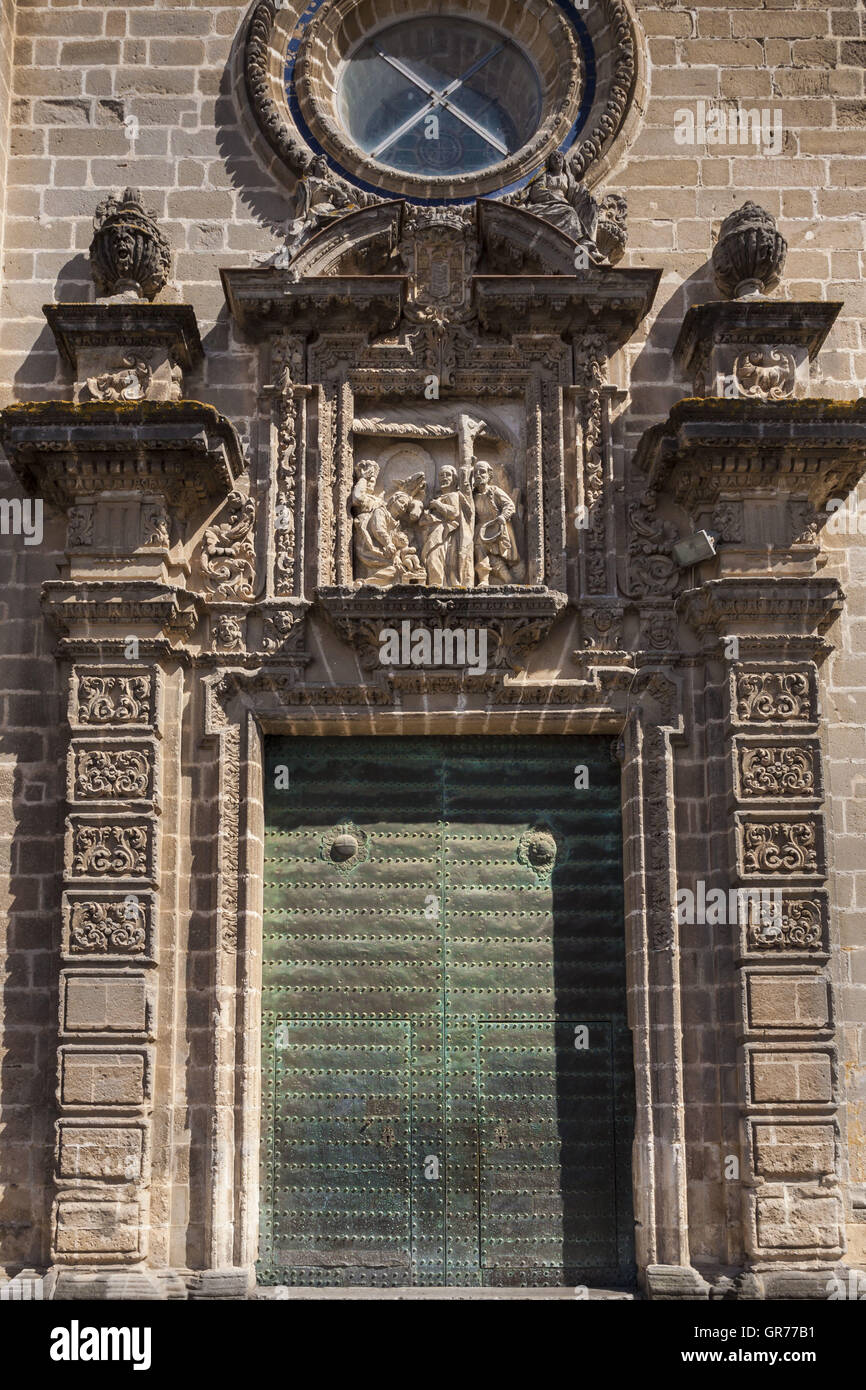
[173, 326]
[70, 605]
[610, 303]
[517, 617]
[811, 448]
[778, 611]
[264, 301]
[183, 451]
[754, 321]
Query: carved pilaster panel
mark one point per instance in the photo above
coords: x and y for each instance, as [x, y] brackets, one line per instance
[801, 1075]
[781, 923]
[780, 845]
[106, 1001]
[782, 694]
[111, 1078]
[99, 1230]
[93, 1150]
[102, 926]
[111, 848]
[111, 770]
[775, 769]
[109, 697]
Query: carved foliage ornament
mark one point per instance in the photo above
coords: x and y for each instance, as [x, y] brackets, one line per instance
[109, 700]
[103, 774]
[774, 697]
[766, 376]
[653, 572]
[787, 847]
[100, 928]
[110, 851]
[798, 928]
[777, 772]
[228, 556]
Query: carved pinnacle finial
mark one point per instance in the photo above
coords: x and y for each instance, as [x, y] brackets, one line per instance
[749, 256]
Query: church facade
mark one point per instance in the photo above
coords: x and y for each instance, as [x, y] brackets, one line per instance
[434, 699]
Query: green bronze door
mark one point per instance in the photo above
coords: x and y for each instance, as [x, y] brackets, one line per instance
[447, 1078]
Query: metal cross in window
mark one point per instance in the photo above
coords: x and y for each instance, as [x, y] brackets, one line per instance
[438, 99]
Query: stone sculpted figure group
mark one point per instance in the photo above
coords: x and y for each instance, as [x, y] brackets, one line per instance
[464, 535]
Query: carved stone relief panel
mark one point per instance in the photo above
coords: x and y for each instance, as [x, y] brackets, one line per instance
[778, 769]
[114, 697]
[437, 497]
[109, 926]
[111, 771]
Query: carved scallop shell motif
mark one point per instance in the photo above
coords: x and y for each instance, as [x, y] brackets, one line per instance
[537, 849]
[344, 847]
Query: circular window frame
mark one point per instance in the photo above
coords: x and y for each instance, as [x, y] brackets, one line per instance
[606, 69]
[541, 30]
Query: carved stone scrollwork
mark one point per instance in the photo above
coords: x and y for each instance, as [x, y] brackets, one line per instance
[728, 522]
[653, 572]
[766, 376]
[777, 772]
[155, 526]
[285, 541]
[108, 928]
[113, 699]
[777, 697]
[129, 382]
[799, 926]
[785, 847]
[110, 851]
[79, 530]
[228, 556]
[112, 774]
[590, 369]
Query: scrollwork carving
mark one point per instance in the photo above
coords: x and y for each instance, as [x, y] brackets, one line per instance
[110, 851]
[115, 699]
[777, 697]
[652, 568]
[103, 928]
[773, 771]
[799, 927]
[228, 556]
[103, 774]
[785, 847]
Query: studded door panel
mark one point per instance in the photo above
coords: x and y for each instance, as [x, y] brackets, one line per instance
[447, 1073]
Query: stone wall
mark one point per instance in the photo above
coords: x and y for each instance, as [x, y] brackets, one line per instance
[149, 95]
